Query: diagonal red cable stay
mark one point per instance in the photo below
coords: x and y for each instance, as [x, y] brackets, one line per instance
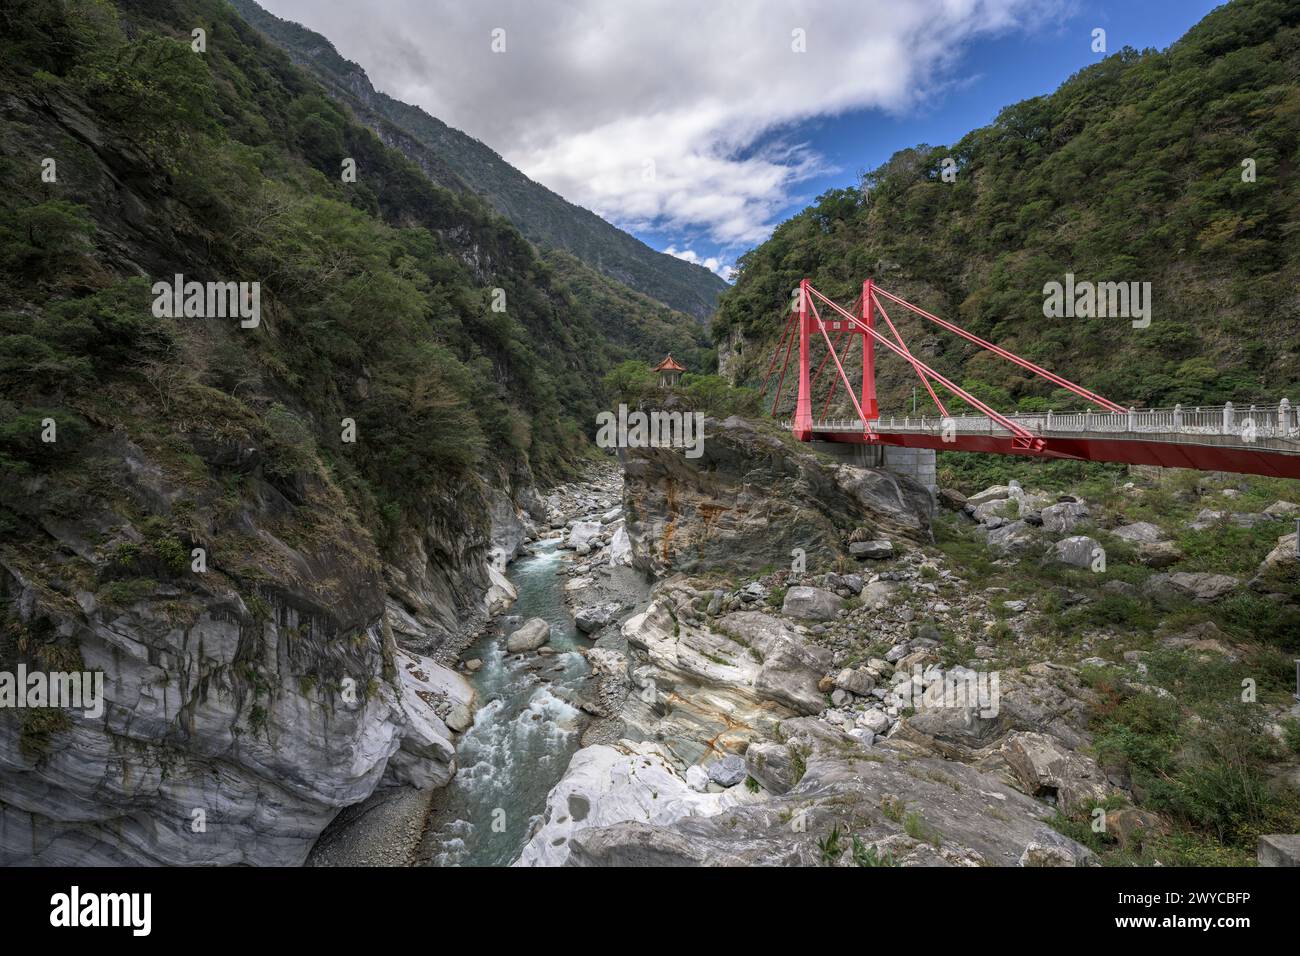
[924, 381]
[789, 324]
[1079, 390]
[1022, 436]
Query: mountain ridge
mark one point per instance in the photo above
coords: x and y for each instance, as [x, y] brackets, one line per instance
[461, 162]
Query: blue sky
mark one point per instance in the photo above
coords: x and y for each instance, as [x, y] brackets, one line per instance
[991, 74]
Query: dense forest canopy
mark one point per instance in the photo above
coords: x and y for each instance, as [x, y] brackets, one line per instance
[1135, 170]
[414, 311]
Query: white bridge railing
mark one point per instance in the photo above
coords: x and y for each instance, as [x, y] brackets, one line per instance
[1275, 426]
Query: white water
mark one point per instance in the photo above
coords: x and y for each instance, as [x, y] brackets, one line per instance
[523, 734]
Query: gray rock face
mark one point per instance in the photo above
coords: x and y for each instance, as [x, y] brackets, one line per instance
[267, 776]
[1064, 517]
[750, 499]
[1014, 538]
[1189, 585]
[1279, 849]
[1079, 551]
[508, 529]
[772, 765]
[695, 686]
[1043, 765]
[728, 771]
[593, 617]
[811, 604]
[531, 635]
[878, 549]
[269, 704]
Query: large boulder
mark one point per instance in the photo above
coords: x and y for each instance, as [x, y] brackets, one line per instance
[592, 617]
[811, 604]
[1189, 585]
[993, 493]
[877, 549]
[531, 635]
[1065, 516]
[772, 765]
[620, 548]
[790, 674]
[855, 680]
[582, 534]
[1043, 766]
[728, 771]
[1203, 639]
[1078, 551]
[1279, 572]
[1279, 849]
[1140, 532]
[1016, 537]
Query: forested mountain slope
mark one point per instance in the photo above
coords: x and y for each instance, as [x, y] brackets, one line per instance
[457, 160]
[232, 520]
[1132, 171]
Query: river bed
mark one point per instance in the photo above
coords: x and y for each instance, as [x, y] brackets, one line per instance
[523, 733]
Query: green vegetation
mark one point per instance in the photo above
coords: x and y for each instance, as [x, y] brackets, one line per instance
[462, 164]
[916, 827]
[869, 856]
[830, 846]
[634, 382]
[394, 310]
[1131, 171]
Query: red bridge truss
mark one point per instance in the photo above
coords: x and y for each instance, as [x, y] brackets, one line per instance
[1262, 439]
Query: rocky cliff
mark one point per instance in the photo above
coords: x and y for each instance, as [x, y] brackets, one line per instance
[267, 537]
[981, 699]
[753, 496]
[248, 697]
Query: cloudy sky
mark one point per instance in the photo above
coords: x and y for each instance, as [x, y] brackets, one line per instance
[700, 124]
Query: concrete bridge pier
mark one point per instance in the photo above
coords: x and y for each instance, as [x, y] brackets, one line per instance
[916, 463]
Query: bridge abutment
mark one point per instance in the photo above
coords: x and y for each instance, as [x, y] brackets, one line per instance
[916, 463]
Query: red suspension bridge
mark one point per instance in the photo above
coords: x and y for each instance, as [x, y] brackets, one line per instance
[1261, 439]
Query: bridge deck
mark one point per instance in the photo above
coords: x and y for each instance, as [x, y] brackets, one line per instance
[1260, 440]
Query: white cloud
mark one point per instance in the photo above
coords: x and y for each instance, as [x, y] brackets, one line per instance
[664, 112]
[715, 264]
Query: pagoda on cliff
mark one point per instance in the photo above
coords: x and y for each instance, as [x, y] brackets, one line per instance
[670, 372]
